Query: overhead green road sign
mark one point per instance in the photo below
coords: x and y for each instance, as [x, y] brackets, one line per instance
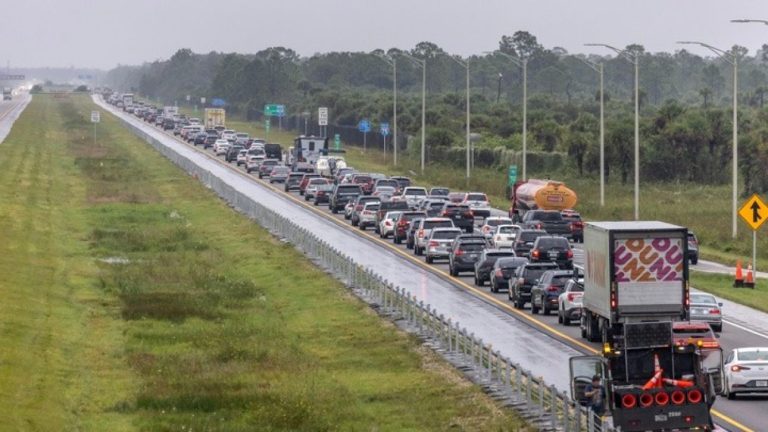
[274, 110]
[512, 175]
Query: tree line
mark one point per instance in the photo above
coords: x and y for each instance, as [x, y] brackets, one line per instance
[684, 98]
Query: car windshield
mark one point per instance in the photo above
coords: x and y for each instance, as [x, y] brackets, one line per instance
[410, 216]
[372, 206]
[532, 273]
[703, 299]
[439, 191]
[752, 355]
[547, 216]
[436, 204]
[437, 224]
[316, 181]
[385, 189]
[472, 247]
[393, 215]
[553, 243]
[445, 235]
[560, 280]
[476, 197]
[506, 230]
[416, 192]
[362, 179]
[348, 189]
[530, 236]
[497, 222]
[280, 170]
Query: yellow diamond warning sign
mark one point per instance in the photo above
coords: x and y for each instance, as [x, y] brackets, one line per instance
[754, 212]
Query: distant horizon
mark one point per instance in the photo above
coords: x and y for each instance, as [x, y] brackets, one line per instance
[105, 35]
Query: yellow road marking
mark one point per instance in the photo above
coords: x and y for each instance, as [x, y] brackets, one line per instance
[425, 266]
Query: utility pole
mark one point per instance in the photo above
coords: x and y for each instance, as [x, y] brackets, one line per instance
[465, 64]
[598, 67]
[523, 63]
[423, 64]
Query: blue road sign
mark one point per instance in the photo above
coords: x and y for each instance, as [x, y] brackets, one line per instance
[364, 126]
[218, 102]
[384, 128]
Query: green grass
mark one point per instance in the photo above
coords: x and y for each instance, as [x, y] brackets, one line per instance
[722, 285]
[206, 323]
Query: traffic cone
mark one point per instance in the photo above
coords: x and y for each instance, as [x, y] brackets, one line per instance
[750, 281]
[738, 282]
[655, 380]
[678, 383]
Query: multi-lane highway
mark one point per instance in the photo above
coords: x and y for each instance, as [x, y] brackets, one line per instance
[535, 341]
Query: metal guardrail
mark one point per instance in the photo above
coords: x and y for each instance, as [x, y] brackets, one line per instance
[541, 405]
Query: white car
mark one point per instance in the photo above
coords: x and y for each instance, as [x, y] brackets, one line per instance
[368, 215]
[503, 236]
[242, 138]
[220, 147]
[413, 195]
[242, 157]
[229, 135]
[492, 222]
[253, 163]
[478, 202]
[387, 224]
[746, 371]
[570, 301]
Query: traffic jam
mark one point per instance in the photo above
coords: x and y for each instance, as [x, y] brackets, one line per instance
[623, 286]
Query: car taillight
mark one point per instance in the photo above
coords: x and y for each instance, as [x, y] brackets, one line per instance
[714, 311]
[569, 254]
[711, 344]
[421, 233]
[358, 208]
[433, 243]
[446, 214]
[320, 193]
[521, 281]
[551, 288]
[613, 300]
[739, 368]
[572, 296]
[459, 252]
[535, 253]
[388, 222]
[402, 223]
[538, 226]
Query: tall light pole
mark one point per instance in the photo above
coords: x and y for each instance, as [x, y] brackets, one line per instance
[734, 61]
[423, 64]
[598, 67]
[634, 59]
[392, 61]
[750, 21]
[465, 64]
[523, 63]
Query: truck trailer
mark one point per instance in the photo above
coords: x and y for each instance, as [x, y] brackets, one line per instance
[215, 117]
[535, 194]
[634, 272]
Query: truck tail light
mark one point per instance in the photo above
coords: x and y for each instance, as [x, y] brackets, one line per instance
[433, 243]
[662, 398]
[613, 300]
[569, 254]
[499, 273]
[629, 401]
[646, 400]
[714, 311]
[535, 253]
[521, 281]
[446, 214]
[459, 252]
[552, 288]
[572, 296]
[421, 233]
[695, 396]
[678, 397]
[538, 226]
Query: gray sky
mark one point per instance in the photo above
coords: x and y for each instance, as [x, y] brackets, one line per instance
[104, 33]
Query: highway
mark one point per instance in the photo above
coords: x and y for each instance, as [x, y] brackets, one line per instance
[535, 341]
[10, 111]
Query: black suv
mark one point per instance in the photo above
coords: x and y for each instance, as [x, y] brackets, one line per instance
[503, 270]
[545, 293]
[524, 241]
[484, 265]
[464, 255]
[460, 214]
[693, 248]
[231, 155]
[342, 194]
[525, 277]
[293, 180]
[554, 249]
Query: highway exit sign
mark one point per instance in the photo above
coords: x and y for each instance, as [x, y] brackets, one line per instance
[754, 212]
[274, 110]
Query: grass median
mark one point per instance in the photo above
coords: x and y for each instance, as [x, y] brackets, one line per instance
[135, 299]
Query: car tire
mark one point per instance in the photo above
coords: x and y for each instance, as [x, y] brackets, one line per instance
[470, 230]
[559, 317]
[566, 321]
[333, 210]
[728, 393]
[452, 271]
[417, 250]
[428, 259]
[361, 226]
[354, 222]
[534, 308]
[315, 203]
[519, 304]
[306, 197]
[694, 260]
[248, 170]
[544, 308]
[397, 240]
[718, 328]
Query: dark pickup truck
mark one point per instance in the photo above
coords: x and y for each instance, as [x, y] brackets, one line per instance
[550, 221]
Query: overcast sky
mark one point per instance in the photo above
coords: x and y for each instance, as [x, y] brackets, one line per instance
[104, 33]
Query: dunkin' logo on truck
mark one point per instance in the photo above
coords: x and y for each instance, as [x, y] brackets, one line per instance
[648, 260]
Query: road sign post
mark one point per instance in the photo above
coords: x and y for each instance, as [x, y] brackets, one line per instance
[95, 118]
[322, 120]
[364, 126]
[754, 212]
[267, 122]
[337, 142]
[384, 131]
[512, 175]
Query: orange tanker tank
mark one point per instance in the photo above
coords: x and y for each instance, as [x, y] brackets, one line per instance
[544, 195]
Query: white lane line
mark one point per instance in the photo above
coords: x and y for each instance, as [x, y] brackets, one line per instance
[746, 329]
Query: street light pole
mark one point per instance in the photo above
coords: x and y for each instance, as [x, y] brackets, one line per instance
[423, 65]
[634, 59]
[730, 57]
[392, 61]
[523, 63]
[465, 64]
[598, 67]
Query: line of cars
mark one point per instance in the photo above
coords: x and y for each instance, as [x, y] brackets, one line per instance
[534, 266]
